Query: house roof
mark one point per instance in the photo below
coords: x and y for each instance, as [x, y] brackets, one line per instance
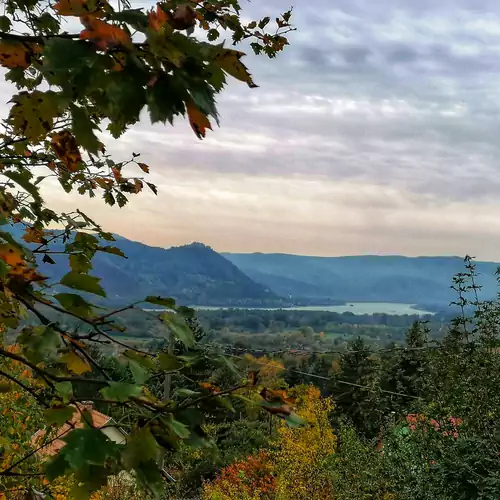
[98, 420]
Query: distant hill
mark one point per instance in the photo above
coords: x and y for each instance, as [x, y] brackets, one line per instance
[418, 280]
[193, 274]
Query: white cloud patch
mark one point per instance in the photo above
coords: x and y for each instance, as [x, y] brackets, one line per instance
[376, 132]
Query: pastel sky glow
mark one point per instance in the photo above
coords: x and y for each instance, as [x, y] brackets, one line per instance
[376, 132]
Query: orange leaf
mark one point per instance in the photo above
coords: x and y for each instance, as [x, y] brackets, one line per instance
[32, 235]
[157, 19]
[104, 35]
[144, 167]
[17, 55]
[198, 120]
[11, 255]
[80, 8]
[66, 149]
[116, 173]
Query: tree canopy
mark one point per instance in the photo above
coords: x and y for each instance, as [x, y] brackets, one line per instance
[86, 70]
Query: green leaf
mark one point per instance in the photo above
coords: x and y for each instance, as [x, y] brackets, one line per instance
[134, 17]
[212, 35]
[80, 263]
[39, 343]
[112, 250]
[23, 179]
[63, 55]
[4, 23]
[187, 393]
[169, 362]
[65, 390]
[58, 415]
[179, 328]
[180, 429]
[161, 301]
[74, 303]
[150, 478]
[264, 22]
[84, 447]
[83, 129]
[145, 361]
[293, 420]
[120, 391]
[83, 282]
[187, 312]
[3, 269]
[141, 448]
[138, 372]
[152, 187]
[47, 23]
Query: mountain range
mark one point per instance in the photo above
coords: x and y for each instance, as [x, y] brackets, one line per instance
[370, 278]
[196, 274]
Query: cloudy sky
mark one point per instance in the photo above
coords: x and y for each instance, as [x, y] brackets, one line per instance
[376, 132]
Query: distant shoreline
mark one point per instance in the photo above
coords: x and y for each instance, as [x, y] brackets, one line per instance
[356, 308]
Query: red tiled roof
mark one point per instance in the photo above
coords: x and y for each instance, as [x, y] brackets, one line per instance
[98, 420]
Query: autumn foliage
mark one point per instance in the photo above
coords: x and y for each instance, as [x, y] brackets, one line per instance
[293, 467]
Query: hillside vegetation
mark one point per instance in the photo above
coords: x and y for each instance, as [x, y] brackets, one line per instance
[415, 280]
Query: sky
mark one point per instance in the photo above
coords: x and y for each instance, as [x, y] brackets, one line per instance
[376, 132]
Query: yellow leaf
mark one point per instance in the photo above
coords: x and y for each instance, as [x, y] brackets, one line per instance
[229, 61]
[199, 122]
[17, 55]
[75, 363]
[32, 115]
[80, 7]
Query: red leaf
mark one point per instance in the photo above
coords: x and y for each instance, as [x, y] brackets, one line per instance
[198, 120]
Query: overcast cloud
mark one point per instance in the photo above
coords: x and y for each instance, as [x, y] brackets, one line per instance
[376, 132]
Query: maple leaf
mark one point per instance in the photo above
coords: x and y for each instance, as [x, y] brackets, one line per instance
[15, 55]
[183, 18]
[75, 363]
[198, 120]
[157, 18]
[104, 35]
[138, 185]
[66, 149]
[230, 61]
[33, 114]
[11, 255]
[80, 7]
[144, 167]
[32, 235]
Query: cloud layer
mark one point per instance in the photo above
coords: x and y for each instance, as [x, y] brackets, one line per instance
[376, 132]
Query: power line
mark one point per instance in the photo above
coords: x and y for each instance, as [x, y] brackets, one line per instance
[322, 377]
[302, 351]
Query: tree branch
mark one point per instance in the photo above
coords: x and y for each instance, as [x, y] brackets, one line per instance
[25, 387]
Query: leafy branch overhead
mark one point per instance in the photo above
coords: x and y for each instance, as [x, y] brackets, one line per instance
[74, 88]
